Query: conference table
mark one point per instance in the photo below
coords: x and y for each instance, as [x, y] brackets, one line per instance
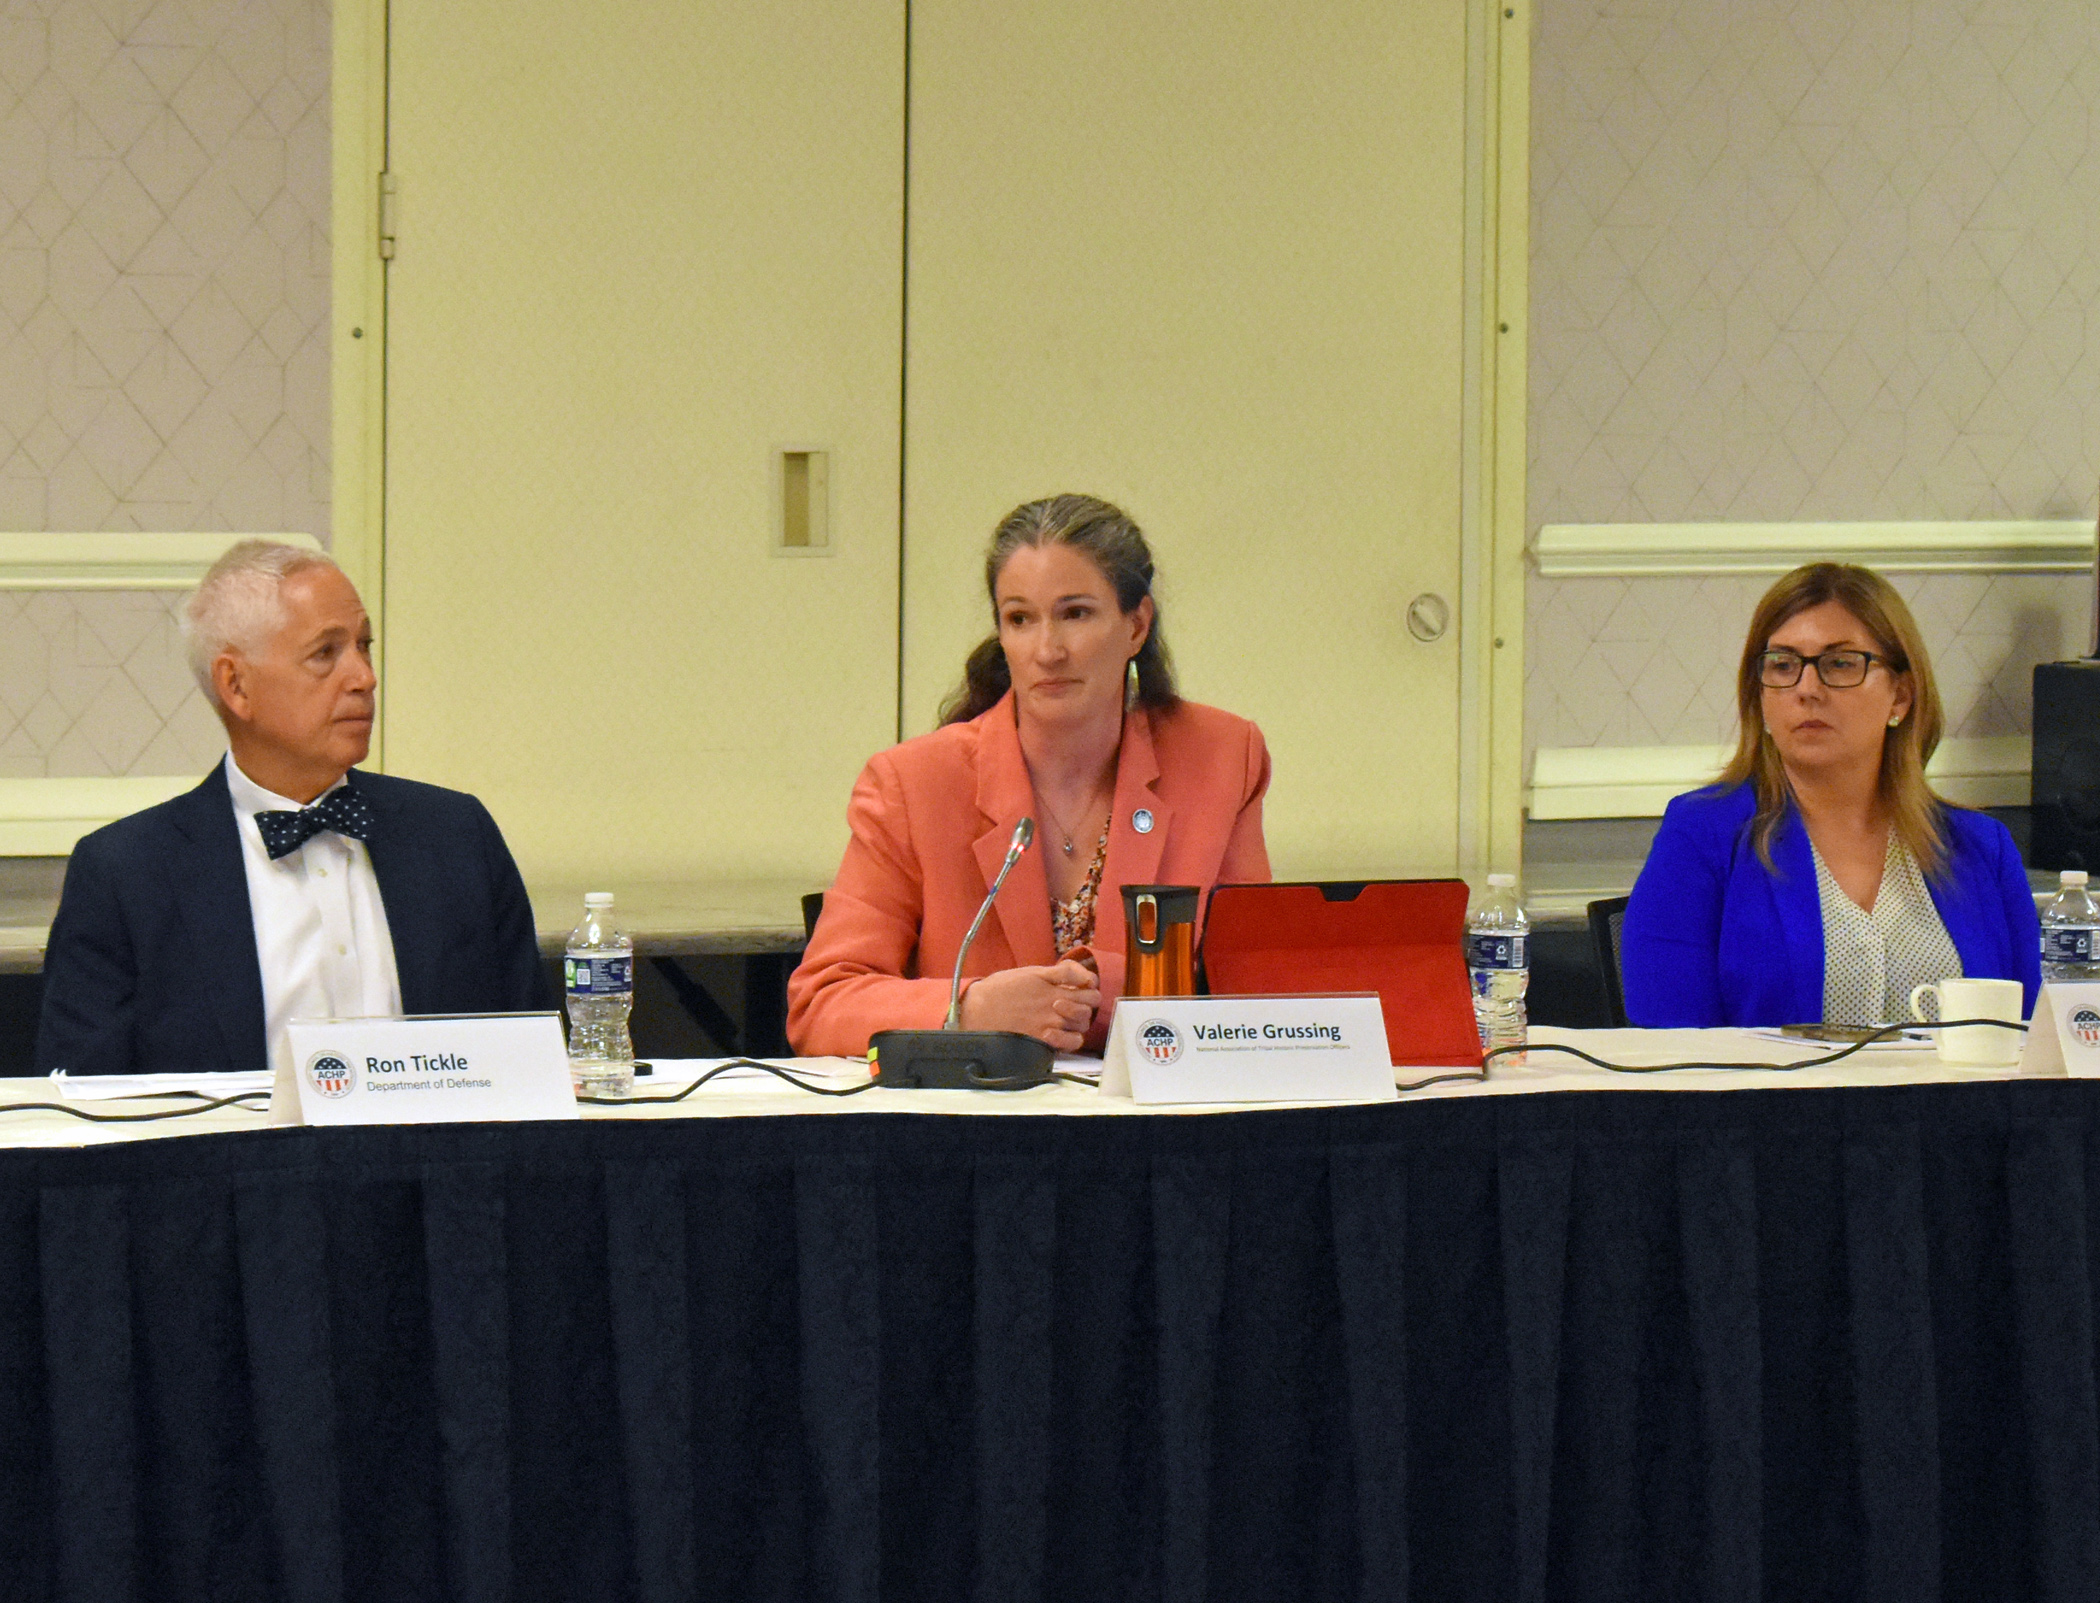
[1565, 1334]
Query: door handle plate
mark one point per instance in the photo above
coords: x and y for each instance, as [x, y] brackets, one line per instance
[1428, 617]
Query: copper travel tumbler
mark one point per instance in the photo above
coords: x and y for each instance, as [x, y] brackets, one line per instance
[1161, 924]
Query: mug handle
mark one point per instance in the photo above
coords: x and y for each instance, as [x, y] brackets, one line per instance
[1917, 991]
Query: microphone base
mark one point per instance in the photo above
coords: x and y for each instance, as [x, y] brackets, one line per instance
[960, 1060]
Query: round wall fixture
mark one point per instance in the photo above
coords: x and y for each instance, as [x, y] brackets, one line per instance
[1428, 616]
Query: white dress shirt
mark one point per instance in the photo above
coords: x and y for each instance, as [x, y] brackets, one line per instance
[320, 928]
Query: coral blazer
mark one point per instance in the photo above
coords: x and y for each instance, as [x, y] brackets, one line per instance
[931, 821]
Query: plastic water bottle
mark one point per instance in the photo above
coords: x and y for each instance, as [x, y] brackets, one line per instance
[1498, 940]
[2071, 933]
[598, 974]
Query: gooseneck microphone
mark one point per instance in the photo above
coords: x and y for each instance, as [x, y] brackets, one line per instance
[1024, 832]
[952, 1058]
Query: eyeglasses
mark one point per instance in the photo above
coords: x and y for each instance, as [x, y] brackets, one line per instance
[1838, 670]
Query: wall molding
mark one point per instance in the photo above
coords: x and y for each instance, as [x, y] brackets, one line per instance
[117, 560]
[1639, 781]
[1698, 550]
[45, 817]
[1494, 441]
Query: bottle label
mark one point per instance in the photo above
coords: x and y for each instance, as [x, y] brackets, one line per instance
[2068, 943]
[1495, 951]
[598, 976]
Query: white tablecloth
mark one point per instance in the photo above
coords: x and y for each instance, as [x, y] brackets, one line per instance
[746, 1095]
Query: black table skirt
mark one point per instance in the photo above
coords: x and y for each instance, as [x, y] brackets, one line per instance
[1785, 1344]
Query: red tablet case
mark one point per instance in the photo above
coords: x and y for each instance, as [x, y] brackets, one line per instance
[1403, 938]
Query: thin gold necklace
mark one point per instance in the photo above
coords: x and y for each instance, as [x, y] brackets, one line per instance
[1060, 823]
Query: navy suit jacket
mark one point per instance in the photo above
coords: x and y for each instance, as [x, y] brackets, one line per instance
[152, 963]
[1714, 937]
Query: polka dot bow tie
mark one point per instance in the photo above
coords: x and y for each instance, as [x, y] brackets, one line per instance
[343, 811]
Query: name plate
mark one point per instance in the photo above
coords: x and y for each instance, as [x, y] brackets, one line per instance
[2063, 1037]
[1249, 1049]
[432, 1070]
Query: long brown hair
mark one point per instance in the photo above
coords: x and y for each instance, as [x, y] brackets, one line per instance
[1915, 812]
[1109, 540]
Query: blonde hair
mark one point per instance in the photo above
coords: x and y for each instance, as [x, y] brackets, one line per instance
[1915, 812]
[237, 605]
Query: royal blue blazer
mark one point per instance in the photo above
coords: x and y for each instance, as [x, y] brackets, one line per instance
[1712, 936]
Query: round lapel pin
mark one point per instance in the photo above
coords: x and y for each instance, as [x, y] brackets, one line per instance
[1141, 820]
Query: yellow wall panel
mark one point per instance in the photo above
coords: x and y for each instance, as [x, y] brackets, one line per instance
[1209, 261]
[641, 247]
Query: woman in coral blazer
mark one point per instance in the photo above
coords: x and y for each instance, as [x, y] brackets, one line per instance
[1068, 715]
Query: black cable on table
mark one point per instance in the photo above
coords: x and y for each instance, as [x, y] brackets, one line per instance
[1455, 1075]
[724, 1067]
[205, 1106]
[1863, 1042]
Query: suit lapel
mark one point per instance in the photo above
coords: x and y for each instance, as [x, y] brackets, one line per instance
[1800, 915]
[1950, 899]
[208, 882]
[1004, 798]
[405, 883]
[1133, 854]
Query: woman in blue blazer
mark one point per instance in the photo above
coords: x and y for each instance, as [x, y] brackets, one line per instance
[1820, 878]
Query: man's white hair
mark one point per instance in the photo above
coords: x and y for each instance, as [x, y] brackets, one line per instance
[238, 607]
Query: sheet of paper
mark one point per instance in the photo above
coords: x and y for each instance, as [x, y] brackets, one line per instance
[110, 1087]
[1908, 1041]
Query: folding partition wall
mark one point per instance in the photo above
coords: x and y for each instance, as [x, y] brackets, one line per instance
[1210, 262]
[718, 338]
[641, 253]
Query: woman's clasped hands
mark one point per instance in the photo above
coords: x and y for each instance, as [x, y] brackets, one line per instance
[1054, 1002]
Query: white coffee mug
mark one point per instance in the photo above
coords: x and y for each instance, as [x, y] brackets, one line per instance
[1976, 1045]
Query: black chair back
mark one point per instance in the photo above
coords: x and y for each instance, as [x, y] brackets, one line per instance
[812, 910]
[1607, 931]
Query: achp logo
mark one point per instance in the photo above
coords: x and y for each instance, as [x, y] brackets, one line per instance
[1159, 1041]
[330, 1074]
[2085, 1025]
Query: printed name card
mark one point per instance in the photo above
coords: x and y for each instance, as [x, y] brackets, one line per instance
[1249, 1049]
[2063, 1037]
[431, 1070]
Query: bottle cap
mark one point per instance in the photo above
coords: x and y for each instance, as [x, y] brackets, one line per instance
[2073, 876]
[597, 898]
[1502, 881]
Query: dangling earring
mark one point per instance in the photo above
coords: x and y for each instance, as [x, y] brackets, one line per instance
[1130, 686]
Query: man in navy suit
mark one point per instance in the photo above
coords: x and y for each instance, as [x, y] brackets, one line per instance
[286, 885]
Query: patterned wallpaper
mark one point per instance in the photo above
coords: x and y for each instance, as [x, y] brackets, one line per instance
[164, 256]
[1802, 260]
[1651, 662]
[101, 686]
